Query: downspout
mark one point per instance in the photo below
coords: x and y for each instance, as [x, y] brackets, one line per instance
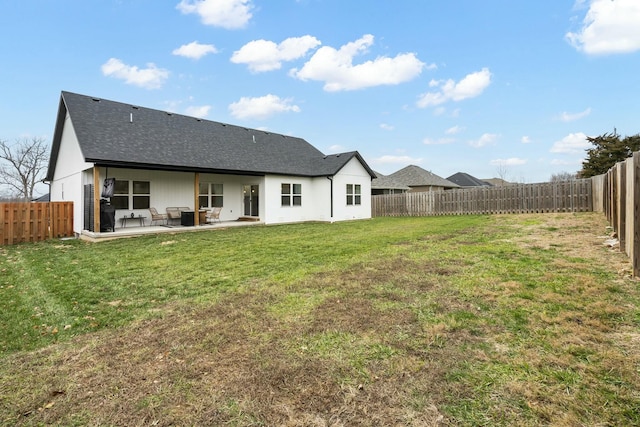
[49, 229]
[330, 178]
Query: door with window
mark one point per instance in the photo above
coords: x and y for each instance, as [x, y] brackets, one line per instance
[250, 196]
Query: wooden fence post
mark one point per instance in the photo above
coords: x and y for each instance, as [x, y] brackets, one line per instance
[635, 255]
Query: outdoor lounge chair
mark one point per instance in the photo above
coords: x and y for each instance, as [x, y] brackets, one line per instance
[155, 216]
[174, 214]
[213, 215]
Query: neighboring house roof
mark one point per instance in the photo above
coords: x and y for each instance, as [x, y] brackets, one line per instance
[118, 134]
[415, 176]
[497, 182]
[43, 198]
[387, 182]
[466, 180]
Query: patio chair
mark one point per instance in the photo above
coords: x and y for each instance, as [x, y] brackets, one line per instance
[155, 216]
[173, 214]
[213, 215]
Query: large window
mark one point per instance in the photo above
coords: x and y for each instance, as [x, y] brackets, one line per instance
[291, 194]
[210, 195]
[131, 195]
[354, 196]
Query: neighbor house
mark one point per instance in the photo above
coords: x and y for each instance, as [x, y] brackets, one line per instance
[465, 180]
[157, 159]
[384, 184]
[416, 179]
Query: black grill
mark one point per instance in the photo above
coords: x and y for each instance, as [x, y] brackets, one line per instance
[107, 216]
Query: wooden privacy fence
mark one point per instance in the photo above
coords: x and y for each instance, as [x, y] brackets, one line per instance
[32, 222]
[620, 187]
[567, 196]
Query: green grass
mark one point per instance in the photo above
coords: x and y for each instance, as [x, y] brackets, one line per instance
[470, 320]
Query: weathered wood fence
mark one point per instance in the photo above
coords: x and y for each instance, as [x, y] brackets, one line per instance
[620, 188]
[32, 222]
[568, 196]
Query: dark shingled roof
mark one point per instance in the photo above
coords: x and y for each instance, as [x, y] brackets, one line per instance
[466, 180]
[415, 176]
[118, 134]
[385, 182]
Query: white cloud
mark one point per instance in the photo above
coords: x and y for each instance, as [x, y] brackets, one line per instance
[525, 140]
[484, 140]
[570, 117]
[512, 161]
[470, 86]
[574, 143]
[151, 77]
[195, 50]
[396, 160]
[610, 26]
[198, 111]
[336, 69]
[229, 14]
[264, 55]
[261, 107]
[386, 126]
[439, 141]
[454, 130]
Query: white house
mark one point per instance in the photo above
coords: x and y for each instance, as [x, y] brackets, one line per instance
[160, 159]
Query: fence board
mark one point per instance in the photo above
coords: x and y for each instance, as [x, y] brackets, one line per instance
[33, 222]
[570, 196]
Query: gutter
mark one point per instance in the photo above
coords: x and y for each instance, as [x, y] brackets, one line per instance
[330, 178]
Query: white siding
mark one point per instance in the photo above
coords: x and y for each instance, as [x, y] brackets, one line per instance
[352, 173]
[316, 194]
[68, 176]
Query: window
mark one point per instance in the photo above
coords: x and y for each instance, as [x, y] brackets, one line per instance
[141, 194]
[354, 196]
[210, 195]
[135, 194]
[120, 199]
[291, 194]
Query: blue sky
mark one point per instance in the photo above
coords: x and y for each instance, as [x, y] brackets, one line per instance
[487, 87]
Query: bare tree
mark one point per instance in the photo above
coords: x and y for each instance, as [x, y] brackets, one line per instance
[502, 170]
[562, 176]
[22, 165]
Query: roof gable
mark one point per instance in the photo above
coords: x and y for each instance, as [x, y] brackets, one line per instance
[466, 180]
[415, 176]
[114, 133]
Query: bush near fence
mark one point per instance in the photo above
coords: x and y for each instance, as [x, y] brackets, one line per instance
[33, 222]
[567, 196]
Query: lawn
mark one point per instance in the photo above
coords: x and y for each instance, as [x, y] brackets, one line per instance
[459, 320]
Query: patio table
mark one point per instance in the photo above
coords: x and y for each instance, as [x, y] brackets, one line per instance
[126, 219]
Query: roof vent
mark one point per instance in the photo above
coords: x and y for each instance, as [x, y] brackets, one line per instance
[95, 99]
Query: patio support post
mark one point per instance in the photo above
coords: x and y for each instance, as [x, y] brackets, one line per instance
[96, 199]
[196, 199]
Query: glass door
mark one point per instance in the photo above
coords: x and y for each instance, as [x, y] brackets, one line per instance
[250, 197]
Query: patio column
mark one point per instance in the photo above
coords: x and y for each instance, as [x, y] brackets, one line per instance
[96, 199]
[196, 199]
